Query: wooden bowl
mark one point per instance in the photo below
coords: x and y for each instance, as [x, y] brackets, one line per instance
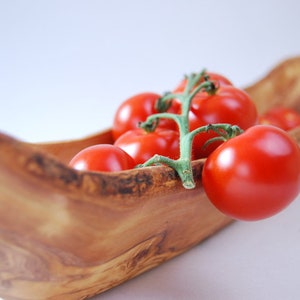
[66, 234]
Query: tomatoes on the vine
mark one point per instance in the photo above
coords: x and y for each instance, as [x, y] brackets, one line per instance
[136, 109]
[102, 157]
[228, 104]
[254, 175]
[282, 117]
[142, 145]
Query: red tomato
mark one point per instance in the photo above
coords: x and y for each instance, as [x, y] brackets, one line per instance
[136, 109]
[102, 157]
[254, 175]
[200, 149]
[142, 145]
[269, 120]
[218, 79]
[228, 105]
[282, 117]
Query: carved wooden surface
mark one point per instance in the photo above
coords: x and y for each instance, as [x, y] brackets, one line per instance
[66, 234]
[70, 235]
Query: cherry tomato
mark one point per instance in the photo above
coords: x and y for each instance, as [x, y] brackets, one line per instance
[282, 117]
[265, 119]
[228, 105]
[102, 157]
[218, 79]
[136, 109]
[142, 145]
[254, 175]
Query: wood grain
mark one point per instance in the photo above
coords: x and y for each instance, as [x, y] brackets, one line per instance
[281, 86]
[66, 234]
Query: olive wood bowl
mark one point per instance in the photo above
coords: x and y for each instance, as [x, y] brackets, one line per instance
[66, 234]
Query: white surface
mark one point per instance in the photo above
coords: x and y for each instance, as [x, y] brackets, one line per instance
[244, 261]
[65, 66]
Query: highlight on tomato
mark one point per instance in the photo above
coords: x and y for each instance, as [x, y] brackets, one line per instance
[136, 109]
[254, 175]
[142, 145]
[102, 157]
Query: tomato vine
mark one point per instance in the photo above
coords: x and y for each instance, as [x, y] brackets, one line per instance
[183, 165]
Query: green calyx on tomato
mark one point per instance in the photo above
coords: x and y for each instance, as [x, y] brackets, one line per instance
[216, 78]
[136, 109]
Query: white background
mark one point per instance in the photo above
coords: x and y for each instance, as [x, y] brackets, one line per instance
[65, 66]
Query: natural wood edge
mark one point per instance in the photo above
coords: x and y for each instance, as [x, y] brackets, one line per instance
[65, 150]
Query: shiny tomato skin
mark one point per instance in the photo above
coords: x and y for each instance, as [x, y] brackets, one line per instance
[102, 157]
[217, 78]
[282, 117]
[141, 145]
[254, 175]
[228, 105]
[136, 109]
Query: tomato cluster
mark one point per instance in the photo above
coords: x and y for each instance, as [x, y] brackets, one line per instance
[139, 143]
[224, 103]
[249, 177]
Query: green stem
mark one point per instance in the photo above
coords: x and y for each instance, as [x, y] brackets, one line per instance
[183, 165]
[224, 130]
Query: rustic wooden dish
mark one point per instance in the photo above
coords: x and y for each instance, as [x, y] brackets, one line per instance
[70, 235]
